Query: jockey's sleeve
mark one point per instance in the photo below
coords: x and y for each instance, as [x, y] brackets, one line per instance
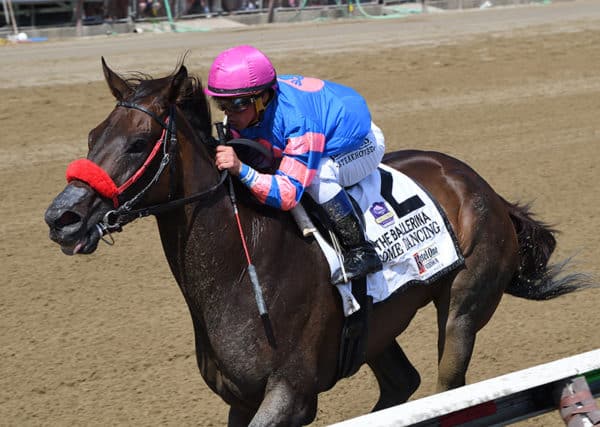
[298, 167]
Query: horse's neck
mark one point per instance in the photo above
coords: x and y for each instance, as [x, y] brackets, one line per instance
[200, 239]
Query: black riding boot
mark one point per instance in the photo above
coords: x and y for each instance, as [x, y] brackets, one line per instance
[360, 257]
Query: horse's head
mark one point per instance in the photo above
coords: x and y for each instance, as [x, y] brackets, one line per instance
[130, 157]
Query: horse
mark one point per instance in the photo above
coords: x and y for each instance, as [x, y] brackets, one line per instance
[154, 155]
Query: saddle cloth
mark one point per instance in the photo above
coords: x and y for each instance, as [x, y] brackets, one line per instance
[410, 232]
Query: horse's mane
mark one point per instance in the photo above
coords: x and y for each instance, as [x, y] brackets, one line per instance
[191, 98]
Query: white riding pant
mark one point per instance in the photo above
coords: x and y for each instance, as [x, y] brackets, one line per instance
[347, 169]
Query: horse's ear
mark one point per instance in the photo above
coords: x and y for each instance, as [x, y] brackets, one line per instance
[119, 88]
[176, 82]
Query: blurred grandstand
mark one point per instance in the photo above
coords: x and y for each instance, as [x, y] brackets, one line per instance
[131, 15]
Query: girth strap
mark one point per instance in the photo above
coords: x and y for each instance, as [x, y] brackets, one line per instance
[355, 332]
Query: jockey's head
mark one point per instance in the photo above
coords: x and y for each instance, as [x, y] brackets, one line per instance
[239, 78]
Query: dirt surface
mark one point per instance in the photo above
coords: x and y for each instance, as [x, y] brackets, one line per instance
[106, 339]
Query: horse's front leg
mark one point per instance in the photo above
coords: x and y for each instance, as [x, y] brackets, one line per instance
[285, 404]
[239, 417]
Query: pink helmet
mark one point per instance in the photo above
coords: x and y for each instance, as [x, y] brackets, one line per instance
[241, 70]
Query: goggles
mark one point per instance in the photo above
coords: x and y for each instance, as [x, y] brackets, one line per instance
[234, 105]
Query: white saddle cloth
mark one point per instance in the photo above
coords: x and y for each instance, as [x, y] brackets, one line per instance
[411, 235]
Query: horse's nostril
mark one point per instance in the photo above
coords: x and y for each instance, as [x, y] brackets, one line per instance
[66, 219]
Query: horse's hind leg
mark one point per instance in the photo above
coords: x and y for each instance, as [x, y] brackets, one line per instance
[456, 340]
[397, 377]
[462, 311]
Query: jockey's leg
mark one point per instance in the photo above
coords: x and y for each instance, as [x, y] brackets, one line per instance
[360, 257]
[327, 189]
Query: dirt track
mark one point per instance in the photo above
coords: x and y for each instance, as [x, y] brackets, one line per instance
[107, 340]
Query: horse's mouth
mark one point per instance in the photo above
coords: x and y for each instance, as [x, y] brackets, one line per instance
[73, 218]
[84, 245]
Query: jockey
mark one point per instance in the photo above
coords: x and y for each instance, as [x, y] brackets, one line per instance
[320, 132]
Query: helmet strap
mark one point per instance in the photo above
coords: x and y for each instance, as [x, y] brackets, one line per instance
[259, 107]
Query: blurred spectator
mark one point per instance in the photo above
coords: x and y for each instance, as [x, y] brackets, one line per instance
[248, 5]
[205, 8]
[198, 6]
[149, 8]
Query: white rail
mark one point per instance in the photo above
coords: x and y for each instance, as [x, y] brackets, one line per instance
[504, 399]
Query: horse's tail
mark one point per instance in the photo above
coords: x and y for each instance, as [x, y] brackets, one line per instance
[535, 279]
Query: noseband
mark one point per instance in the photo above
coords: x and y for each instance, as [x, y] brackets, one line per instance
[97, 178]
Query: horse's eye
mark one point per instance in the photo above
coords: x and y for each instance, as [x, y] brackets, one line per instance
[137, 146]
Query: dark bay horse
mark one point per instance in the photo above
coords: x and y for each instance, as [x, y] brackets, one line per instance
[129, 174]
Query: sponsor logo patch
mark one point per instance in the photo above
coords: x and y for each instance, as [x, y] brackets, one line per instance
[426, 258]
[382, 215]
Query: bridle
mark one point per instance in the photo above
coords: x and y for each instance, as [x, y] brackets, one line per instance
[124, 212]
[114, 220]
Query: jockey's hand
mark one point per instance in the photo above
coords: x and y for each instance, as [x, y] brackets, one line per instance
[227, 159]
